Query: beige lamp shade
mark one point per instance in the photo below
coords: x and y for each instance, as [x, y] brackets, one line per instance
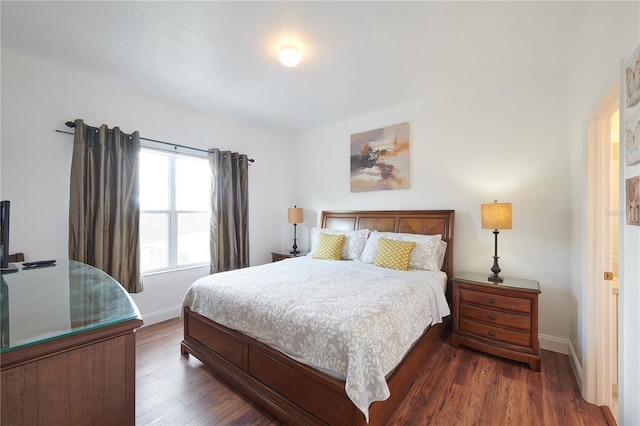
[296, 215]
[496, 215]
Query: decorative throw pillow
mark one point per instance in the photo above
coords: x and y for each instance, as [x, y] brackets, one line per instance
[394, 254]
[354, 241]
[424, 256]
[329, 247]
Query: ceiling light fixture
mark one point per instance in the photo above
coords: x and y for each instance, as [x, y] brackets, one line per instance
[289, 56]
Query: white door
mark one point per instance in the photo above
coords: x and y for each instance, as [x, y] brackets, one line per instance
[615, 248]
[601, 132]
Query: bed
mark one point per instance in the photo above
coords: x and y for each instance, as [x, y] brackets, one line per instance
[298, 392]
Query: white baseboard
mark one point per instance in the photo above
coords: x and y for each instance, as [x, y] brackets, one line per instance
[159, 316]
[563, 346]
[575, 366]
[554, 344]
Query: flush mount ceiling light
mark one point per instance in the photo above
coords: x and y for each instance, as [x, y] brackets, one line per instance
[289, 56]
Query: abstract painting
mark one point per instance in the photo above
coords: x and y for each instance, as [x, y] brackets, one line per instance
[633, 201]
[380, 159]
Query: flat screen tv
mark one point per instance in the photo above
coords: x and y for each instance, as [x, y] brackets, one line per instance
[5, 266]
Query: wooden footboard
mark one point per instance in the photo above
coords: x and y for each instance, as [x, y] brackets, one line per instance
[293, 392]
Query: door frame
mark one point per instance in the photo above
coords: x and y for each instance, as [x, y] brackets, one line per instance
[597, 379]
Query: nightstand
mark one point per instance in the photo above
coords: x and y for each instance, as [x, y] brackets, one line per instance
[497, 318]
[281, 255]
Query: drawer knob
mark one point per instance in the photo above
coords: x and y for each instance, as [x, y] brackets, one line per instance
[492, 333]
[492, 317]
[492, 301]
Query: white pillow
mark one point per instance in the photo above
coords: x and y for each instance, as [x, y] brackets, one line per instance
[354, 241]
[442, 250]
[425, 255]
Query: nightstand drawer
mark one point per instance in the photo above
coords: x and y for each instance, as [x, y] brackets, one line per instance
[498, 334]
[496, 301]
[490, 316]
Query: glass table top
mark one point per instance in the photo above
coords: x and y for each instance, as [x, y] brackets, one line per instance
[45, 303]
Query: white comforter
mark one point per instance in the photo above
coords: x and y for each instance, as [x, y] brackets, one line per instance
[352, 318]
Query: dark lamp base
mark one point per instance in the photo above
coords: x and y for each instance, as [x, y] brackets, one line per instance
[295, 251]
[495, 279]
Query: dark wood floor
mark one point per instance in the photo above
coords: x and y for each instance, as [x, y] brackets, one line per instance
[457, 386]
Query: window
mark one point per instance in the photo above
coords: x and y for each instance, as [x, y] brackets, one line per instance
[174, 211]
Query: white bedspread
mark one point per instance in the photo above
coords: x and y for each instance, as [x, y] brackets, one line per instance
[353, 318]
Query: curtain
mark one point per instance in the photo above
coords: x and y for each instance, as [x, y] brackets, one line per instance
[104, 210]
[229, 211]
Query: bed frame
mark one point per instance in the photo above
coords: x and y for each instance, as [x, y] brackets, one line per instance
[296, 393]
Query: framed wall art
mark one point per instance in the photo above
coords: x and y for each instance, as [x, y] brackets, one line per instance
[633, 201]
[632, 77]
[380, 159]
[632, 138]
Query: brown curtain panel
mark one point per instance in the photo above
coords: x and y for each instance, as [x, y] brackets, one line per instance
[229, 210]
[104, 212]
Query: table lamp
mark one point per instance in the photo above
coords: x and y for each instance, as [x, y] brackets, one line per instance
[496, 216]
[296, 216]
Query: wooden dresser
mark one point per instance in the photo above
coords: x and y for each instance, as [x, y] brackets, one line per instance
[68, 347]
[497, 318]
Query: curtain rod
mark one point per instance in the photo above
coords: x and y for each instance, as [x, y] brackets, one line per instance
[174, 145]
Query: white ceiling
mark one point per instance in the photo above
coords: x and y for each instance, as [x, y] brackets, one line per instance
[358, 57]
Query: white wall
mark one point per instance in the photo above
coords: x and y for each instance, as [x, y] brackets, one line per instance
[38, 97]
[611, 31]
[505, 142]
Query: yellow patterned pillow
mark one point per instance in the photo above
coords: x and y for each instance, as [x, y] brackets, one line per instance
[329, 247]
[394, 254]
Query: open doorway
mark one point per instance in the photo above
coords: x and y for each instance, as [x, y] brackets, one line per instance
[603, 249]
[614, 206]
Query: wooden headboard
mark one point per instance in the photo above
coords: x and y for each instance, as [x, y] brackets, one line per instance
[426, 222]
